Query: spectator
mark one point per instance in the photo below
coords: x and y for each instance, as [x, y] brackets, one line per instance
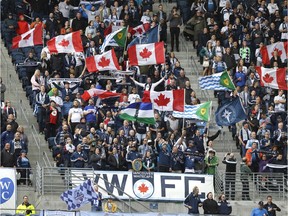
[230, 176]
[175, 23]
[7, 136]
[193, 202]
[270, 206]
[23, 25]
[210, 206]
[211, 162]
[23, 167]
[224, 207]
[8, 158]
[245, 171]
[96, 203]
[2, 89]
[25, 208]
[260, 210]
[79, 157]
[42, 103]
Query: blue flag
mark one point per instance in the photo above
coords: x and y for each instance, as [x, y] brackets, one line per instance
[151, 36]
[230, 113]
[79, 196]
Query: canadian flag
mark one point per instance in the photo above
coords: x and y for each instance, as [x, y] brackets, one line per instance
[103, 94]
[147, 54]
[66, 43]
[273, 78]
[267, 52]
[140, 29]
[30, 38]
[166, 100]
[105, 61]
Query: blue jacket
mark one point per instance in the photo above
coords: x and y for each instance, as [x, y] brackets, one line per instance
[6, 137]
[259, 212]
[131, 156]
[75, 159]
[192, 201]
[224, 208]
[64, 93]
[164, 158]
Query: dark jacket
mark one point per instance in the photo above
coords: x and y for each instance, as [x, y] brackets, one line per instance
[224, 208]
[273, 206]
[8, 159]
[210, 206]
[192, 201]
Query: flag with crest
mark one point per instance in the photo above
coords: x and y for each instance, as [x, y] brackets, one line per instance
[218, 81]
[79, 196]
[117, 38]
[199, 111]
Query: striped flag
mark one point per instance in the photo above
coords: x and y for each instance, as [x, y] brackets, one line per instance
[140, 112]
[218, 81]
[103, 94]
[199, 111]
[117, 38]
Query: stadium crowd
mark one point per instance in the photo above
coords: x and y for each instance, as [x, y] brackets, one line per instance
[91, 134]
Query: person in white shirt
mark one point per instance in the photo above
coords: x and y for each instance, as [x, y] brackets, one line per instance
[272, 7]
[252, 140]
[283, 28]
[133, 96]
[148, 86]
[75, 115]
[146, 18]
[65, 8]
[57, 99]
[280, 102]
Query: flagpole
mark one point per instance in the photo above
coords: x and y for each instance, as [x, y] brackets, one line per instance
[125, 42]
[183, 124]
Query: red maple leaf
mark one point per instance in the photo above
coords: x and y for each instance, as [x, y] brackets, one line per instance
[139, 30]
[64, 43]
[145, 53]
[162, 100]
[27, 37]
[267, 78]
[143, 188]
[104, 62]
[279, 51]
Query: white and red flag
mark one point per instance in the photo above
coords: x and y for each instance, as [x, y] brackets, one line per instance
[103, 94]
[166, 100]
[68, 43]
[140, 29]
[147, 54]
[273, 78]
[32, 37]
[267, 52]
[103, 62]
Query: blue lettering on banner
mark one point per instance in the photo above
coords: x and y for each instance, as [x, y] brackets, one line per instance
[193, 178]
[113, 182]
[164, 185]
[7, 189]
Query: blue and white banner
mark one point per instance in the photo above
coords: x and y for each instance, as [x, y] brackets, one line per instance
[159, 186]
[8, 188]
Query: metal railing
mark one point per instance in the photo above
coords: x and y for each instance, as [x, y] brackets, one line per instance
[258, 185]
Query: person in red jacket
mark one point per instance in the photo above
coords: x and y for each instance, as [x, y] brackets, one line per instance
[23, 26]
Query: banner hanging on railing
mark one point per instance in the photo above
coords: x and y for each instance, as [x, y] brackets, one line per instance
[146, 185]
[8, 188]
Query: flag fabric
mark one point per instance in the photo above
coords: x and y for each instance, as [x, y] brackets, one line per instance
[267, 52]
[139, 30]
[218, 81]
[140, 112]
[32, 37]
[166, 100]
[79, 196]
[273, 78]
[66, 43]
[102, 94]
[147, 54]
[117, 38]
[151, 36]
[230, 113]
[199, 111]
[103, 62]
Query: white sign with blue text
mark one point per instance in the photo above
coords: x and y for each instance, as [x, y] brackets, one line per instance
[8, 188]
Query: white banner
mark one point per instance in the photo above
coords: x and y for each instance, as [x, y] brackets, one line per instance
[146, 185]
[58, 213]
[8, 188]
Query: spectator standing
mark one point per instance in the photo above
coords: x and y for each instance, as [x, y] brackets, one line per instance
[42, 103]
[8, 158]
[96, 203]
[193, 202]
[79, 158]
[2, 90]
[175, 23]
[211, 162]
[110, 206]
[230, 174]
[271, 207]
[23, 167]
[245, 171]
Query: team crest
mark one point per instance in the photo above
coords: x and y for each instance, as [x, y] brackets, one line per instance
[143, 184]
[120, 35]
